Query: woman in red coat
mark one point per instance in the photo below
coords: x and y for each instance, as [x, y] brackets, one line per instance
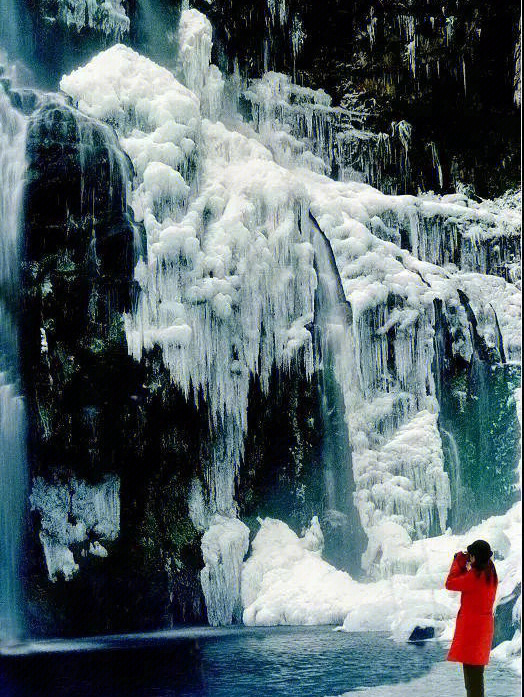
[474, 575]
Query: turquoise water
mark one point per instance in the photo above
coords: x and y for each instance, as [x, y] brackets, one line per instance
[242, 662]
[278, 662]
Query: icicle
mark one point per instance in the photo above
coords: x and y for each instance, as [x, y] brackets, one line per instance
[371, 27]
[450, 29]
[297, 35]
[517, 80]
[411, 57]
[436, 163]
[107, 16]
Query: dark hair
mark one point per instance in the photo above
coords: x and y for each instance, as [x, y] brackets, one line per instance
[481, 550]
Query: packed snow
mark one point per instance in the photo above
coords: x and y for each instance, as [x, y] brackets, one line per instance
[286, 581]
[228, 285]
[499, 681]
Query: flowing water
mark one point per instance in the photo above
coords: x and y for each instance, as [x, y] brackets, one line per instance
[457, 490]
[13, 471]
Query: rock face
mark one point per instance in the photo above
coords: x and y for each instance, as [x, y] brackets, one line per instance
[104, 428]
[78, 280]
[89, 403]
[443, 67]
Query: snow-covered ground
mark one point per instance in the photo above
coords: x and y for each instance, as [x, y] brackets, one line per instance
[446, 679]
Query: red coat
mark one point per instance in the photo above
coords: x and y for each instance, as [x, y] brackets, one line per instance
[474, 627]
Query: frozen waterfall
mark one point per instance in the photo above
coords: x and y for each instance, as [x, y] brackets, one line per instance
[236, 274]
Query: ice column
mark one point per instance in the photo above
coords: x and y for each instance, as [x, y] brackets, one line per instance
[194, 62]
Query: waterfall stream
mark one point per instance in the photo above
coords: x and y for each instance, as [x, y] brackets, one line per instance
[345, 538]
[457, 489]
[13, 470]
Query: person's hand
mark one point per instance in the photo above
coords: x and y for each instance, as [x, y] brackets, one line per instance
[462, 558]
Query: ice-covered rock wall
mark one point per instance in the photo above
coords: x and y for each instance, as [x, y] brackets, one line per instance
[341, 137]
[228, 285]
[105, 16]
[73, 286]
[297, 122]
[229, 277]
[78, 516]
[404, 308]
[445, 70]
[485, 238]
[108, 16]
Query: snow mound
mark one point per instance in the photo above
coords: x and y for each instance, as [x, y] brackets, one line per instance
[286, 581]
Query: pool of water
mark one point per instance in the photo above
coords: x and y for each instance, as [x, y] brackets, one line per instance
[261, 662]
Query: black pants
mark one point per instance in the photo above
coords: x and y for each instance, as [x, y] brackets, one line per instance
[474, 680]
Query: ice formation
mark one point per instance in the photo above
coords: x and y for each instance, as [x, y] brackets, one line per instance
[405, 477]
[194, 62]
[75, 514]
[107, 16]
[286, 581]
[224, 546]
[301, 126]
[234, 264]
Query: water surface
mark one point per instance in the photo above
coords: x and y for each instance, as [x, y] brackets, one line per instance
[242, 662]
